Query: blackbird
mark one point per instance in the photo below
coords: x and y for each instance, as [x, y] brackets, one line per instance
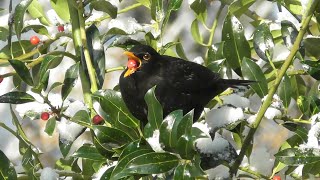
[180, 84]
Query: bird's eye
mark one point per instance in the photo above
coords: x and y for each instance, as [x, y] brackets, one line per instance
[146, 56]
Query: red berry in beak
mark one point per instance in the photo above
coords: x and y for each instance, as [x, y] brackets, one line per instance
[132, 64]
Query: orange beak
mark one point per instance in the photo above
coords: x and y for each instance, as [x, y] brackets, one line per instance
[131, 70]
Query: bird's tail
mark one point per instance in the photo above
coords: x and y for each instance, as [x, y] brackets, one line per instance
[237, 82]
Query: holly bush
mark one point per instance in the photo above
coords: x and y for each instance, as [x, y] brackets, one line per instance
[171, 147]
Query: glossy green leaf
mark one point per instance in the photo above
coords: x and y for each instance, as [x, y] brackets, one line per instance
[293, 156]
[111, 102]
[169, 129]
[293, 6]
[285, 91]
[182, 173]
[50, 126]
[88, 151]
[185, 147]
[55, 85]
[215, 53]
[185, 125]
[239, 7]
[251, 71]
[195, 32]
[312, 67]
[174, 4]
[117, 31]
[3, 33]
[155, 112]
[107, 174]
[120, 169]
[200, 9]
[5, 52]
[263, 42]
[303, 104]
[16, 97]
[314, 104]
[105, 6]
[311, 43]
[180, 51]
[65, 146]
[40, 29]
[152, 163]
[23, 139]
[166, 48]
[112, 136]
[69, 80]
[96, 51]
[36, 11]
[18, 16]
[61, 7]
[300, 131]
[27, 161]
[236, 47]
[298, 86]
[22, 71]
[7, 171]
[82, 117]
[310, 169]
[289, 33]
[102, 148]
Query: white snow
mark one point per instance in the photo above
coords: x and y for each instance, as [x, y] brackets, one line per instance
[218, 173]
[271, 113]
[198, 60]
[127, 24]
[191, 1]
[223, 116]
[251, 119]
[236, 100]
[170, 121]
[68, 130]
[276, 101]
[31, 109]
[313, 134]
[48, 174]
[153, 28]
[207, 146]
[203, 126]
[154, 141]
[74, 107]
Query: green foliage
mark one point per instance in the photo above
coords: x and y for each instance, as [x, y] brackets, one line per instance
[164, 145]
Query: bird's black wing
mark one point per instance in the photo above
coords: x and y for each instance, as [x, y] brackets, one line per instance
[188, 76]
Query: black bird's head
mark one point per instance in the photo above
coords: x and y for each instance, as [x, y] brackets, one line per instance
[139, 56]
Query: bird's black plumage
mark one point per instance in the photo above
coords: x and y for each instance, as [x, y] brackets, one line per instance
[180, 84]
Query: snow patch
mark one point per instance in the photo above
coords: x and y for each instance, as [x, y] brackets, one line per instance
[127, 24]
[48, 174]
[223, 116]
[154, 141]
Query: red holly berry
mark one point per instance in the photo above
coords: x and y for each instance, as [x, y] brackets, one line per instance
[97, 119]
[60, 28]
[276, 177]
[132, 64]
[45, 116]
[1, 79]
[34, 40]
